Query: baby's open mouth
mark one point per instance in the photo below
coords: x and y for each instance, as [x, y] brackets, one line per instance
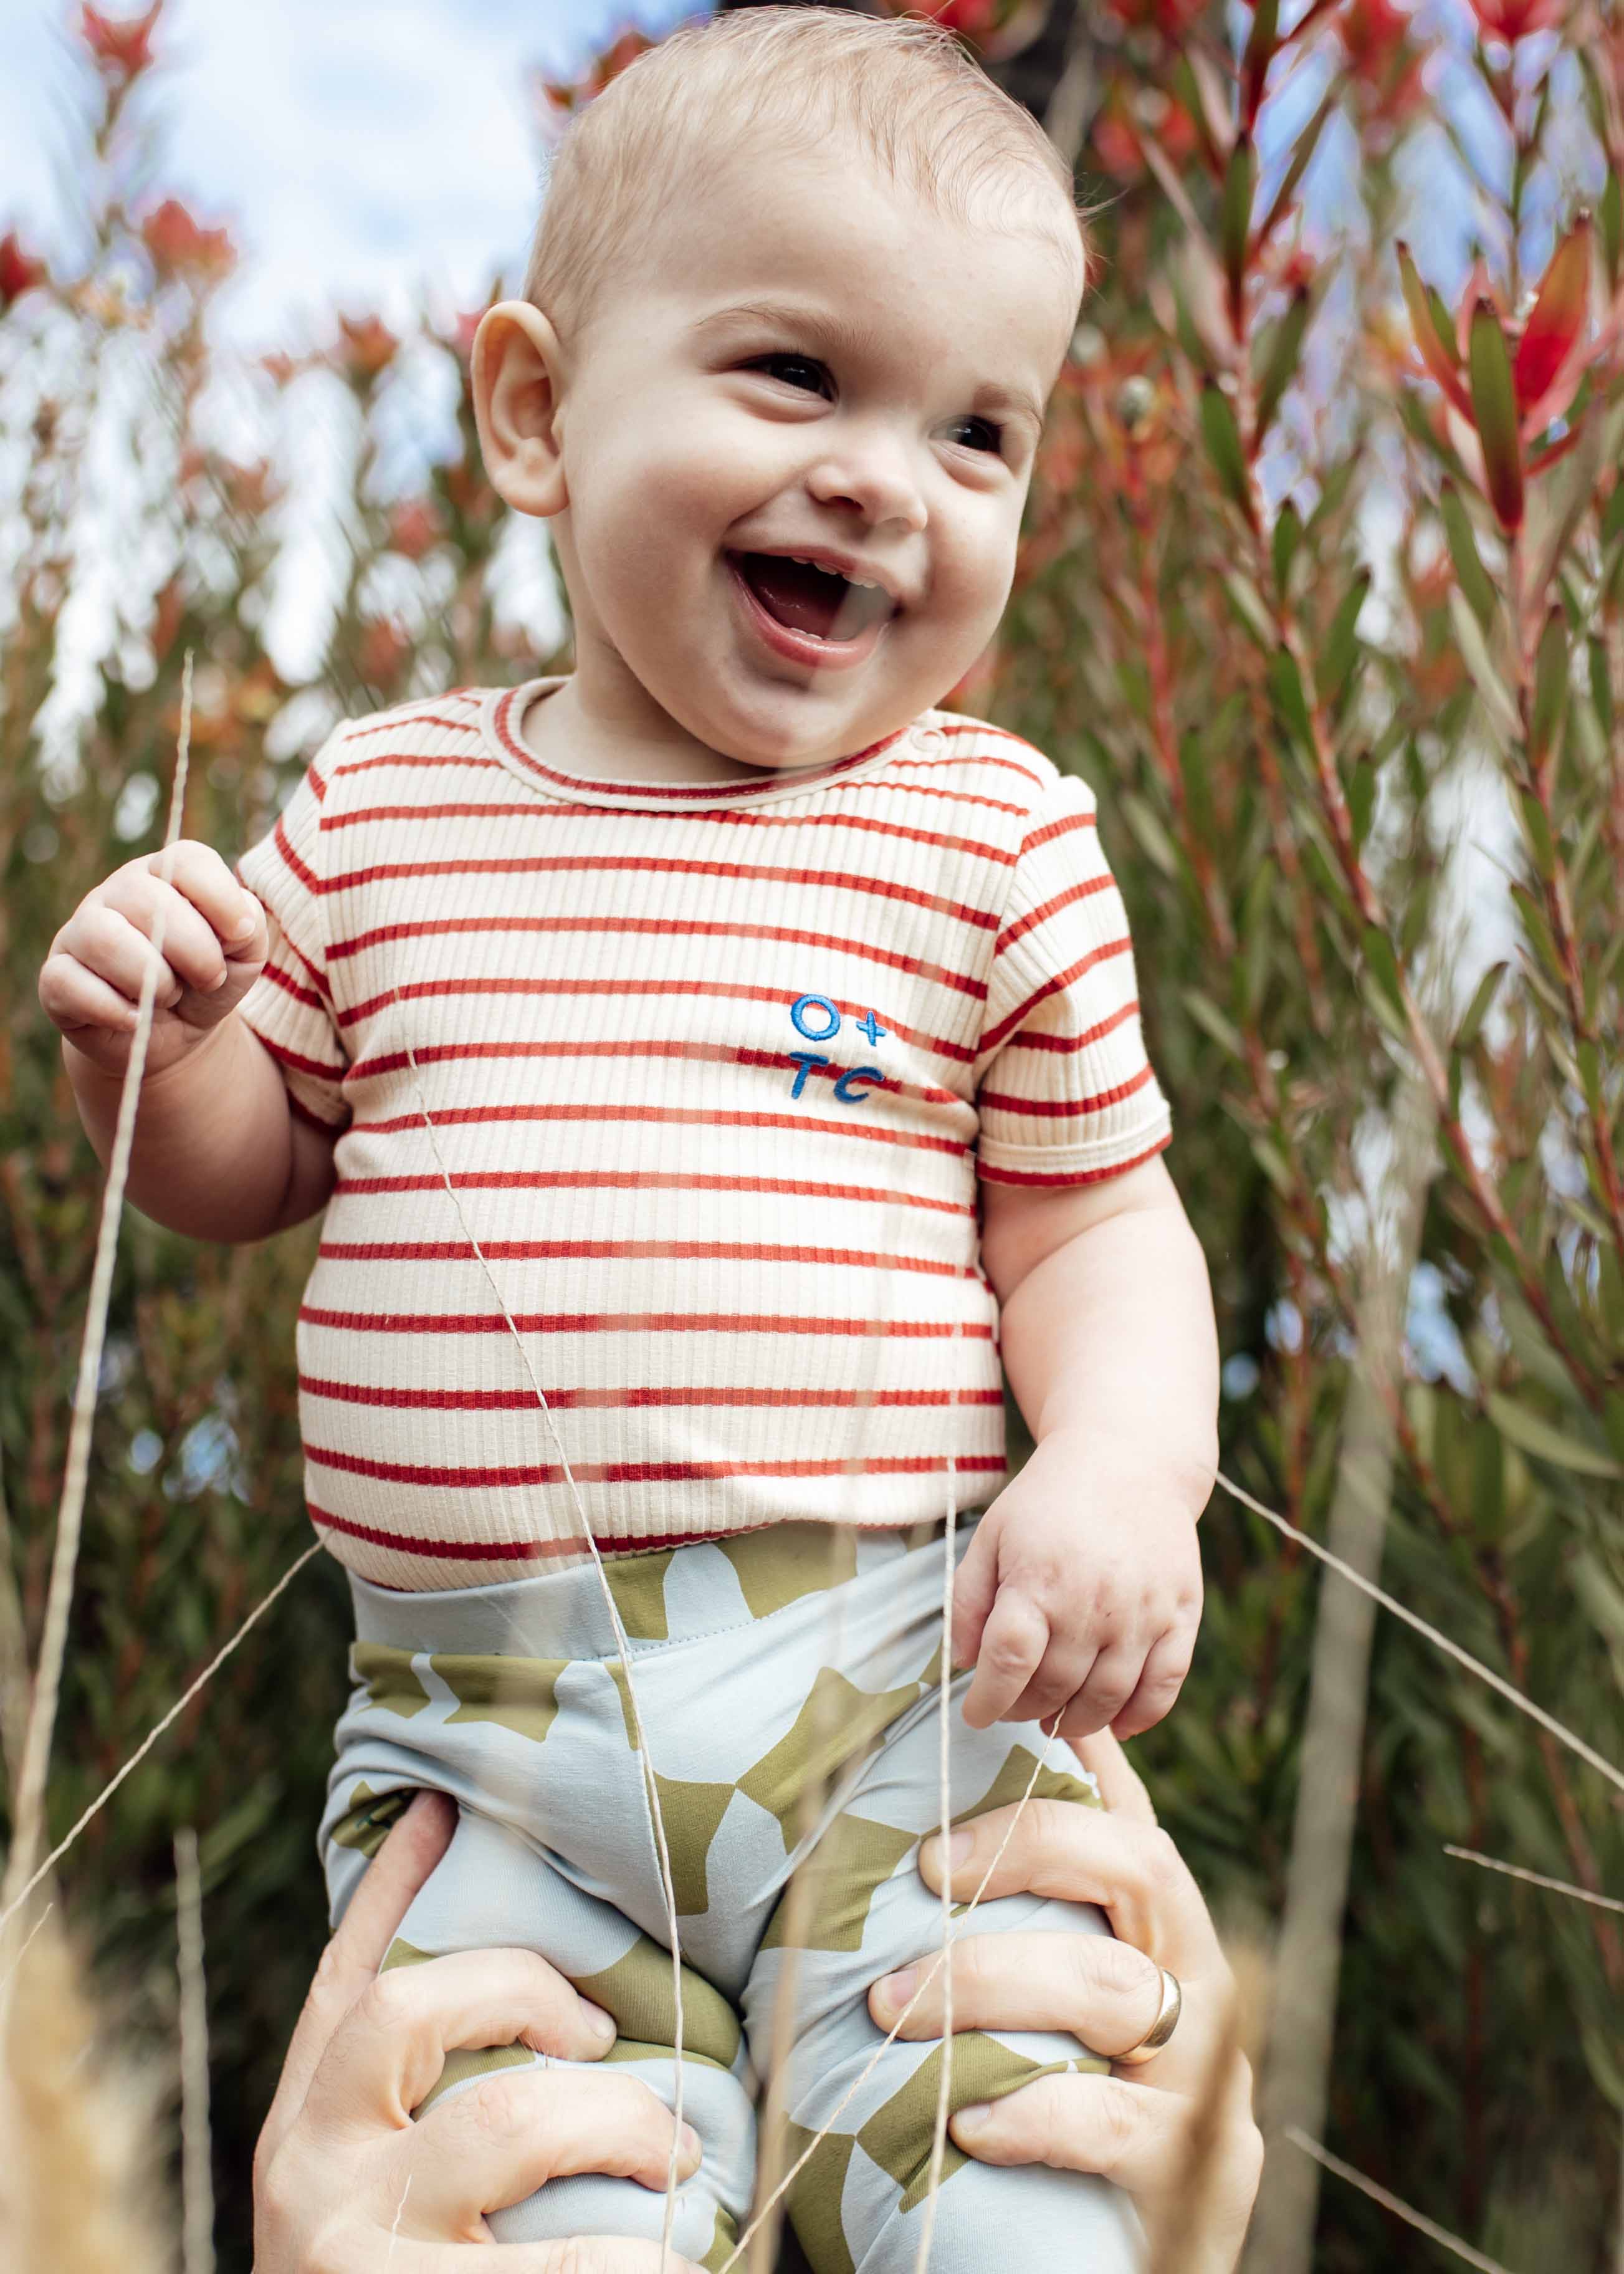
[807, 599]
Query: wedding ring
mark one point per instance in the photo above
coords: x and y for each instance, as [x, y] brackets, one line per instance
[1161, 2029]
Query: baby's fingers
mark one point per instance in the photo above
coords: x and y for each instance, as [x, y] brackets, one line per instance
[1158, 1687]
[74, 999]
[1013, 1642]
[1113, 1679]
[192, 946]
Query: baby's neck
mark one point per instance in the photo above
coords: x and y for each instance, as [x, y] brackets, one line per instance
[565, 734]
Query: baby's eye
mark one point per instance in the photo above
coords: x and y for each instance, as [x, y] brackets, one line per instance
[803, 371]
[978, 434]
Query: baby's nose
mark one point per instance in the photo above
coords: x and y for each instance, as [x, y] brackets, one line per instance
[874, 474]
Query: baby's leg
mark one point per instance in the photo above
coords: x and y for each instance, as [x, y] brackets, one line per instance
[493, 1890]
[859, 1910]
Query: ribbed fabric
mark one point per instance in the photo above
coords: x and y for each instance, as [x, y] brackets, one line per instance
[715, 1068]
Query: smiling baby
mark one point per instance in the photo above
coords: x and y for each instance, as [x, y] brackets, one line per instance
[743, 1054]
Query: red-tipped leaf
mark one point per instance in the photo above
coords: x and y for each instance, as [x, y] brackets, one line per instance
[1434, 350]
[1558, 315]
[1494, 413]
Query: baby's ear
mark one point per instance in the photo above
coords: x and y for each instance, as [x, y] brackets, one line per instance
[517, 370]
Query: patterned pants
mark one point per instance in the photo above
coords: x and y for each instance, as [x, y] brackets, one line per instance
[786, 1682]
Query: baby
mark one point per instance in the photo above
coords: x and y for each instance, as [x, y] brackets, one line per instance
[723, 1059]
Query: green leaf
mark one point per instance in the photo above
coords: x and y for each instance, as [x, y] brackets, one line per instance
[1469, 567]
[1222, 437]
[1340, 640]
[1495, 697]
[1550, 681]
[1361, 800]
[1612, 215]
[1249, 606]
[1532, 1433]
[1206, 1015]
[1537, 830]
[1286, 687]
[1280, 354]
[1283, 545]
[1494, 413]
[1382, 965]
[1152, 837]
[1478, 1010]
[1240, 182]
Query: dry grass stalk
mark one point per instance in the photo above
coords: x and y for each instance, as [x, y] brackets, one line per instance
[78, 2187]
[165, 1722]
[28, 1800]
[1187, 2238]
[1534, 1878]
[1422, 2225]
[1303, 2011]
[1453, 1650]
[196, 2175]
[13, 1655]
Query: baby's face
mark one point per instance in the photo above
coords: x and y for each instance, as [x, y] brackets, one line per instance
[807, 366]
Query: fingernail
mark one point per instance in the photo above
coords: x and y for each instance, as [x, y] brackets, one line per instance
[691, 2148]
[896, 1989]
[244, 926]
[218, 981]
[601, 2024]
[958, 1847]
[972, 2119]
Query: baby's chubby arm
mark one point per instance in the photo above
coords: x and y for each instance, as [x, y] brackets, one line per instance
[1081, 1590]
[218, 1152]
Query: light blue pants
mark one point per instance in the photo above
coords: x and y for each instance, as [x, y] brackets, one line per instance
[785, 1681]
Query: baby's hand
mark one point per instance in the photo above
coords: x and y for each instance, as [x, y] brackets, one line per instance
[1080, 1593]
[214, 942]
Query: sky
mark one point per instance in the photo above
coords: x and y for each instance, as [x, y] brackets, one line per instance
[357, 149]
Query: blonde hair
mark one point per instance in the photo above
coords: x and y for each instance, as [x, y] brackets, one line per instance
[902, 89]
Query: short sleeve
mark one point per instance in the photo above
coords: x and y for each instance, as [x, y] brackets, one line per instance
[289, 1006]
[1065, 1091]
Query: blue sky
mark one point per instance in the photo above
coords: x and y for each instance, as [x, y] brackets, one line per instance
[356, 147]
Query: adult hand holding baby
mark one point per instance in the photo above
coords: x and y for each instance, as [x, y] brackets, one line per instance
[343, 2178]
[1137, 2127]
[215, 943]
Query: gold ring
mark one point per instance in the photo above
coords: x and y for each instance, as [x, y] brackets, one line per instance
[1161, 2029]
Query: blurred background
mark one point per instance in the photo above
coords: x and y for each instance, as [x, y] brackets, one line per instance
[1322, 589]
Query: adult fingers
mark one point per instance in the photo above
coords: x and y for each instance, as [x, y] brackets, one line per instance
[1129, 2134]
[1121, 1788]
[388, 2051]
[1013, 1641]
[1104, 1992]
[497, 2142]
[1086, 1854]
[352, 1958]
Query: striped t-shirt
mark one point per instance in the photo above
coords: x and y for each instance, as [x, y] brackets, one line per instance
[714, 1069]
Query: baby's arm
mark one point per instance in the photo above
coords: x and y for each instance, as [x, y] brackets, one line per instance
[1081, 1590]
[218, 1152]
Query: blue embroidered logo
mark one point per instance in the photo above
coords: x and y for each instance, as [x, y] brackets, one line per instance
[818, 1018]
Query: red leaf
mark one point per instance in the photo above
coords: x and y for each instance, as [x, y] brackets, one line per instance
[1557, 319]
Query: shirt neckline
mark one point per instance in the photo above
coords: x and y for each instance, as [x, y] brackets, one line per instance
[501, 709]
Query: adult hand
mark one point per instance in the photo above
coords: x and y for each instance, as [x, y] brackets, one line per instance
[1146, 2127]
[346, 2183]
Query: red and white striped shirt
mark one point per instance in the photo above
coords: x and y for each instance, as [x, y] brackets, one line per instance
[714, 1069]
